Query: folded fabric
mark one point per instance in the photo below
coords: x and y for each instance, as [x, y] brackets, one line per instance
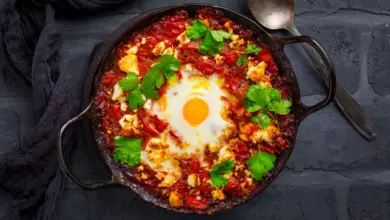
[29, 46]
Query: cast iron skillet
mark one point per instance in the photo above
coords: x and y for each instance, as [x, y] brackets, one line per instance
[103, 58]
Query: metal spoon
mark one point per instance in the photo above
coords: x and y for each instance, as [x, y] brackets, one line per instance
[279, 14]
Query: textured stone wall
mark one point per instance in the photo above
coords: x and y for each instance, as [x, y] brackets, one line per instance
[333, 172]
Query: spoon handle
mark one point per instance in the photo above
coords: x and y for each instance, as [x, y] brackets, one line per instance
[351, 109]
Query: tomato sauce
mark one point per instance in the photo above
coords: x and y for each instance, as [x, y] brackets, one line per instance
[168, 29]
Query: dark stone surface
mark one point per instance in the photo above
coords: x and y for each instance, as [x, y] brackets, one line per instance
[343, 45]
[378, 67]
[377, 6]
[302, 6]
[326, 140]
[376, 197]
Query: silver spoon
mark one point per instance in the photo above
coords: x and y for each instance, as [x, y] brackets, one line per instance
[279, 14]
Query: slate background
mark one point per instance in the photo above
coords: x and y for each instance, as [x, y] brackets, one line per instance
[333, 172]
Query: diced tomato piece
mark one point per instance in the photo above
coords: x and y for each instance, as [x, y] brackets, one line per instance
[194, 165]
[232, 83]
[149, 129]
[196, 202]
[265, 54]
[174, 28]
[115, 112]
[181, 186]
[233, 186]
[231, 58]
[205, 188]
[206, 66]
[160, 125]
[204, 176]
[193, 45]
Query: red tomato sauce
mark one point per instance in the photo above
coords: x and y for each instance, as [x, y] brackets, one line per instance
[168, 29]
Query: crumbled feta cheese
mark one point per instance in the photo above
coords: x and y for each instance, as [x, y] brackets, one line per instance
[123, 106]
[129, 63]
[159, 48]
[193, 180]
[117, 93]
[183, 39]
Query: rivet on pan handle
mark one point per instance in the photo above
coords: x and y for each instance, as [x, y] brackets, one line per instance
[307, 110]
[64, 167]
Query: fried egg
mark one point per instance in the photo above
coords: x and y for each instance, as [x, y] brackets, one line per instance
[193, 108]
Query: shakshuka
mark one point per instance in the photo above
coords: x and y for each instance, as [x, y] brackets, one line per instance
[195, 108]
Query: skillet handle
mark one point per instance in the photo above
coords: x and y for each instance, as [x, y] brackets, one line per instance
[307, 110]
[64, 167]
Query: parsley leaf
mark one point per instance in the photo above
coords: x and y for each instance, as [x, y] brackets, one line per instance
[225, 167]
[128, 150]
[130, 82]
[169, 64]
[252, 49]
[282, 107]
[219, 36]
[153, 79]
[241, 60]
[251, 106]
[265, 99]
[263, 120]
[260, 163]
[210, 45]
[135, 99]
[196, 30]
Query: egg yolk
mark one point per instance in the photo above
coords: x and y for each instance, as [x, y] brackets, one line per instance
[195, 111]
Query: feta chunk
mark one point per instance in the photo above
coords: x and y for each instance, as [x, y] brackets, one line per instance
[193, 180]
[183, 39]
[159, 48]
[129, 63]
[257, 73]
[117, 94]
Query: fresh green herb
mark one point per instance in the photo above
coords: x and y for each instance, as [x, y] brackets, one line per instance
[219, 35]
[135, 99]
[252, 49]
[241, 60]
[197, 30]
[130, 82]
[267, 100]
[168, 64]
[210, 46]
[263, 120]
[128, 150]
[217, 178]
[260, 163]
[154, 79]
[282, 107]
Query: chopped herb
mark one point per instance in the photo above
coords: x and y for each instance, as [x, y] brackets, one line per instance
[210, 46]
[219, 35]
[252, 49]
[265, 99]
[260, 163]
[130, 82]
[241, 60]
[154, 79]
[197, 30]
[217, 178]
[135, 99]
[263, 120]
[128, 150]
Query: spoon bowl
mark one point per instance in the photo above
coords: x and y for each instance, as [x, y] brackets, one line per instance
[273, 14]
